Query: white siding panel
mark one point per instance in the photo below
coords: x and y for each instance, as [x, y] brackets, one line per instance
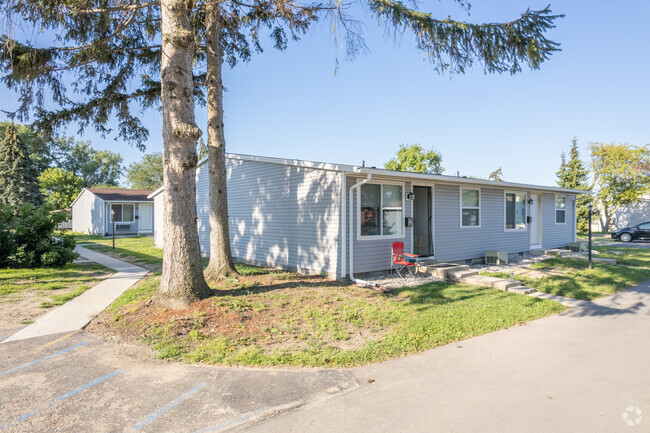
[88, 214]
[158, 210]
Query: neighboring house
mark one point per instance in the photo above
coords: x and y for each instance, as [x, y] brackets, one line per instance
[633, 214]
[132, 211]
[336, 219]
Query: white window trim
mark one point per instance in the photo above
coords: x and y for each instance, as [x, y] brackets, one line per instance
[555, 209]
[381, 203]
[505, 229]
[122, 204]
[460, 203]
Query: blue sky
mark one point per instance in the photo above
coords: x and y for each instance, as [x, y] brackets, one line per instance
[291, 104]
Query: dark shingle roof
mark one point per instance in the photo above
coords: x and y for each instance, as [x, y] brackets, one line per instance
[110, 194]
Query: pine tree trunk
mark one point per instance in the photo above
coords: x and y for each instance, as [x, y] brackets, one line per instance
[182, 274]
[221, 262]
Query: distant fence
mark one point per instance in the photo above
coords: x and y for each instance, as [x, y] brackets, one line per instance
[66, 225]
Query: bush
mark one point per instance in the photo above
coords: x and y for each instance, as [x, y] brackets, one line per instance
[28, 238]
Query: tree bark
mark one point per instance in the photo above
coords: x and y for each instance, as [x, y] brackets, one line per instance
[182, 273]
[221, 263]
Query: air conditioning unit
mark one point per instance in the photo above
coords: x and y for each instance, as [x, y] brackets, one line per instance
[578, 247]
[496, 257]
[123, 227]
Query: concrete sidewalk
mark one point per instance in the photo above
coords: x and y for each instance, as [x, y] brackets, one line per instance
[76, 314]
[585, 370]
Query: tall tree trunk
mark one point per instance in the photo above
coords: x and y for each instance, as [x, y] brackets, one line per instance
[182, 274]
[221, 262]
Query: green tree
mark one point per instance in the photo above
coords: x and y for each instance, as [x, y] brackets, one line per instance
[146, 174]
[574, 175]
[39, 147]
[496, 175]
[60, 187]
[18, 174]
[621, 176]
[114, 49]
[95, 167]
[414, 158]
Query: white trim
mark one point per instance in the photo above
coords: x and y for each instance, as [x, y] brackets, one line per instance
[460, 207]
[575, 218]
[156, 192]
[351, 225]
[505, 217]
[79, 195]
[555, 209]
[381, 208]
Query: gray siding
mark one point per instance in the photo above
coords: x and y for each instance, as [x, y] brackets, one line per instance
[453, 243]
[372, 255]
[88, 214]
[279, 215]
[557, 235]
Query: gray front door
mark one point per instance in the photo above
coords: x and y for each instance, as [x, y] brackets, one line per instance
[422, 221]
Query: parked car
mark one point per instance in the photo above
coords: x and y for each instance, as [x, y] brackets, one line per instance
[628, 234]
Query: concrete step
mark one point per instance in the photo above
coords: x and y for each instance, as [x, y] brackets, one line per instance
[522, 290]
[593, 259]
[441, 270]
[493, 282]
[558, 252]
[459, 275]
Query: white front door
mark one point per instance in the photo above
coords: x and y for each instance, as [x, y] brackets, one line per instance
[145, 220]
[535, 226]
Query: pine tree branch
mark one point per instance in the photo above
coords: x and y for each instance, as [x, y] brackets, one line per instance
[115, 9]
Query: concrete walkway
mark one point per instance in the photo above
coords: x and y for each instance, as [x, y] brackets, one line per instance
[76, 314]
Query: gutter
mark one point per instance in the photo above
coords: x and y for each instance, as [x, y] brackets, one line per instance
[351, 223]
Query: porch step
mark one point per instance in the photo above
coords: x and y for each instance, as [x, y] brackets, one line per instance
[493, 282]
[459, 275]
[442, 270]
[558, 252]
[522, 290]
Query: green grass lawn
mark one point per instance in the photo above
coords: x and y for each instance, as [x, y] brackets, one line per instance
[579, 282]
[281, 318]
[140, 248]
[625, 256]
[72, 274]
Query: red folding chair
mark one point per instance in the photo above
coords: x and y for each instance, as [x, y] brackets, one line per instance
[400, 262]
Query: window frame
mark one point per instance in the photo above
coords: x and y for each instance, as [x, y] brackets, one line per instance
[381, 207]
[505, 216]
[555, 208]
[460, 203]
[122, 206]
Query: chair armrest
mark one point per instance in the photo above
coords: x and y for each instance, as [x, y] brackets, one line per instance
[411, 255]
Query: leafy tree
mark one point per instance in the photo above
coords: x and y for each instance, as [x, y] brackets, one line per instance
[203, 149]
[413, 158]
[95, 167]
[574, 175]
[146, 174]
[18, 175]
[39, 147]
[28, 237]
[60, 187]
[496, 175]
[113, 50]
[621, 176]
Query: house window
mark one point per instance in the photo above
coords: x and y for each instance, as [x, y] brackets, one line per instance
[123, 213]
[381, 210]
[470, 204]
[560, 210]
[515, 211]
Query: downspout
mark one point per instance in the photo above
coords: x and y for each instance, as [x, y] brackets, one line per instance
[351, 224]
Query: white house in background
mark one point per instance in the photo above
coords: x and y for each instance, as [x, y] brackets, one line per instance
[339, 219]
[633, 214]
[132, 210]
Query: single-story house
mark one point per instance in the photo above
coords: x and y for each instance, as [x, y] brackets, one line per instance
[338, 219]
[132, 211]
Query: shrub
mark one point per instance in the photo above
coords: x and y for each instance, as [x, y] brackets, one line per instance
[28, 238]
